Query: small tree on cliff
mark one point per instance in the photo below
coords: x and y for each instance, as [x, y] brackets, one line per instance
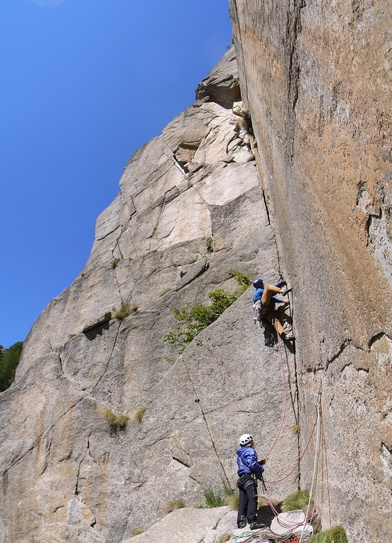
[9, 360]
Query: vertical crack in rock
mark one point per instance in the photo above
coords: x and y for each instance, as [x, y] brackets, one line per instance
[293, 29]
[239, 42]
[108, 361]
[76, 486]
[207, 425]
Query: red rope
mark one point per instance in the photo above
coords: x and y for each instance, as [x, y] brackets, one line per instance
[300, 458]
[285, 403]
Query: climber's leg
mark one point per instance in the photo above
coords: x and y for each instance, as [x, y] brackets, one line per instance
[269, 291]
[272, 319]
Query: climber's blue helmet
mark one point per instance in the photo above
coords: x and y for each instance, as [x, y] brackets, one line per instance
[258, 283]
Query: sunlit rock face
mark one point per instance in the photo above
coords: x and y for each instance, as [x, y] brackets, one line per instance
[190, 211]
[316, 77]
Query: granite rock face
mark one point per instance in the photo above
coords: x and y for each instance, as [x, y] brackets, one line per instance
[189, 211]
[316, 77]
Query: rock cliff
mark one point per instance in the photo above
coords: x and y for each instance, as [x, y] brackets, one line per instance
[299, 187]
[190, 211]
[316, 77]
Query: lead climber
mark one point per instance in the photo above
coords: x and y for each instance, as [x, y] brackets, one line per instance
[264, 304]
[249, 471]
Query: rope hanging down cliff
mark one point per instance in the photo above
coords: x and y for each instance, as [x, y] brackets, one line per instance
[293, 530]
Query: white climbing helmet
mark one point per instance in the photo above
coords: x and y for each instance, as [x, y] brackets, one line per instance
[245, 439]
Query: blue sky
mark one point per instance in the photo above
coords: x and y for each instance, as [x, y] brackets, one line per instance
[84, 84]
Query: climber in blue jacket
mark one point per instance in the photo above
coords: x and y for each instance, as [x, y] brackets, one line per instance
[249, 470]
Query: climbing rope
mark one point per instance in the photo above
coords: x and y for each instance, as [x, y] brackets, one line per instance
[265, 534]
[299, 460]
[315, 464]
[285, 401]
[311, 512]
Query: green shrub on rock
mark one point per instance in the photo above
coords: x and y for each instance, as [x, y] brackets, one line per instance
[194, 318]
[296, 500]
[336, 534]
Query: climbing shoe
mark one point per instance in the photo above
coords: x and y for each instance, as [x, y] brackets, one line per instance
[256, 526]
[286, 291]
[242, 522]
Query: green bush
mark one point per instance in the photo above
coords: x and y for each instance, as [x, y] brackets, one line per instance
[9, 360]
[336, 534]
[115, 262]
[194, 318]
[224, 496]
[212, 498]
[241, 279]
[209, 245]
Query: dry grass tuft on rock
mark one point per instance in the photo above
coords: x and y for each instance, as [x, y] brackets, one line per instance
[263, 502]
[126, 309]
[233, 500]
[297, 429]
[171, 505]
[116, 422]
[138, 415]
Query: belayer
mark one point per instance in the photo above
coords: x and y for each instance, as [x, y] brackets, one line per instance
[249, 471]
[264, 304]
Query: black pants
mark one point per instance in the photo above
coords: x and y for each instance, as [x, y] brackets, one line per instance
[247, 508]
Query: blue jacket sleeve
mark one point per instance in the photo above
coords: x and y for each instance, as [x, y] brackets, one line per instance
[250, 459]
